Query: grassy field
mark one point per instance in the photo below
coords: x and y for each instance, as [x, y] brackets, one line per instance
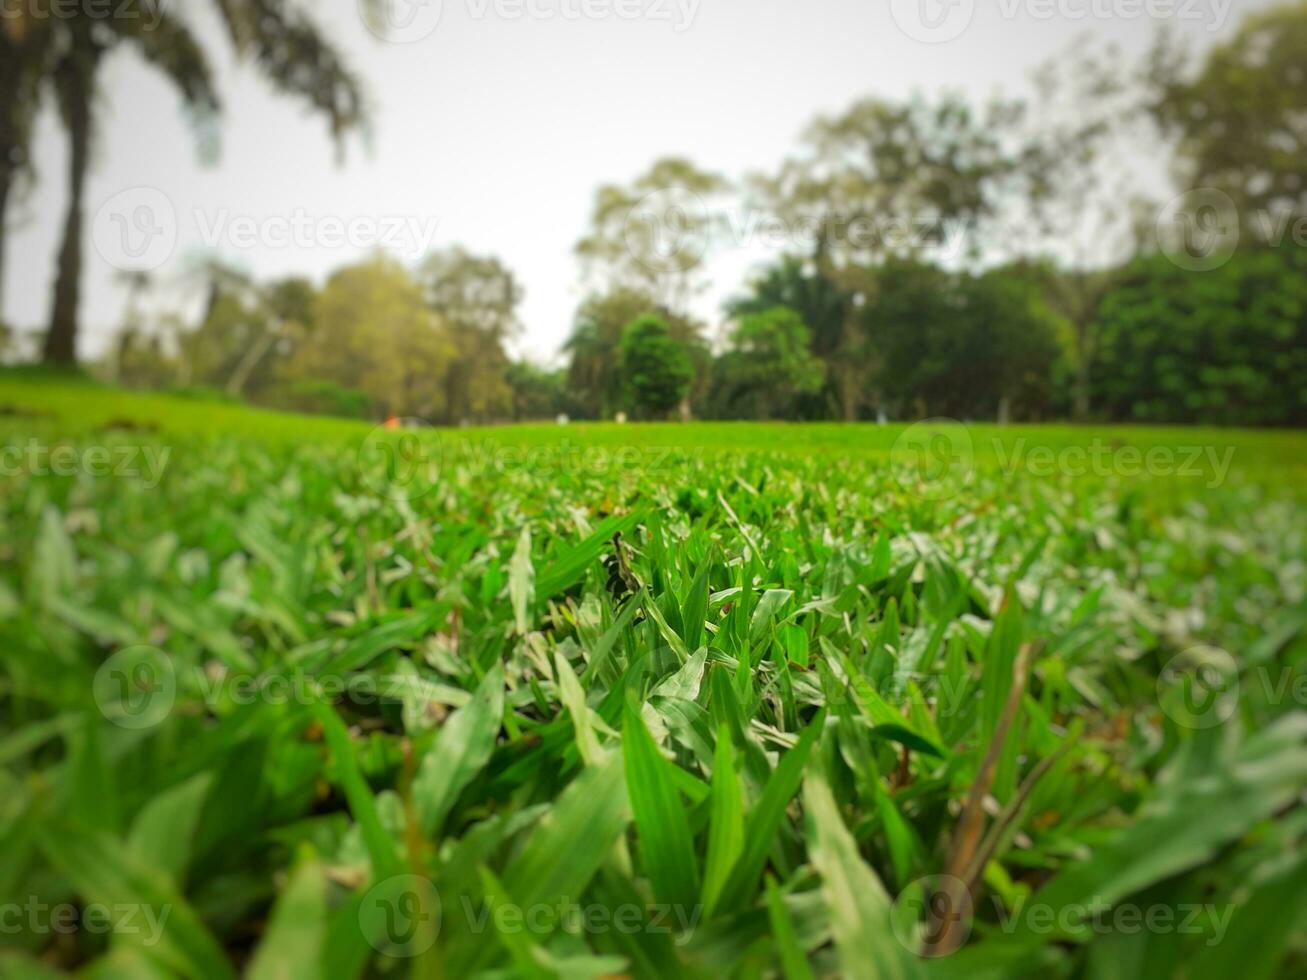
[64, 409]
[287, 696]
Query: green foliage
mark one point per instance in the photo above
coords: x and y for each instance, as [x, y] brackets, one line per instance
[1227, 346]
[651, 235]
[819, 672]
[538, 393]
[265, 341]
[767, 368]
[594, 376]
[1238, 114]
[959, 345]
[655, 369]
[321, 398]
[802, 287]
[898, 162]
[477, 298]
[373, 332]
[890, 195]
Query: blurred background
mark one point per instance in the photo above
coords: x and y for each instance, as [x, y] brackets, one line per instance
[477, 211]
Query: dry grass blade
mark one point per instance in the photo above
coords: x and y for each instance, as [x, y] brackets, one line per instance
[967, 836]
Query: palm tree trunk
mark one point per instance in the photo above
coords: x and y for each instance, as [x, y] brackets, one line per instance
[11, 144]
[75, 80]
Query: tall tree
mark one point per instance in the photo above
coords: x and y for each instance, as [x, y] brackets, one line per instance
[884, 179]
[282, 41]
[477, 296]
[653, 234]
[960, 345]
[593, 375]
[1239, 114]
[800, 285]
[1078, 204]
[84, 41]
[374, 332]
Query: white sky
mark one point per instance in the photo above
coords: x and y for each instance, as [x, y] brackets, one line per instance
[499, 127]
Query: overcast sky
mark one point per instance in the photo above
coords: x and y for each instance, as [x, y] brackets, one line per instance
[495, 120]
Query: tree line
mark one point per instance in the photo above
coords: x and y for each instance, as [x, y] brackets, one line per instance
[933, 257]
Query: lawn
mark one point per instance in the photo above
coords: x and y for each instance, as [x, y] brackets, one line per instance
[293, 696]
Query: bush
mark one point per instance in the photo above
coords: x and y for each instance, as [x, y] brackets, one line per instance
[1222, 347]
[202, 393]
[322, 398]
[767, 369]
[656, 370]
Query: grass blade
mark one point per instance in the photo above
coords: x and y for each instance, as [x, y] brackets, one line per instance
[666, 847]
[463, 747]
[725, 822]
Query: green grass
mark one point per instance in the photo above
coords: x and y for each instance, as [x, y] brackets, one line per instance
[288, 696]
[1277, 455]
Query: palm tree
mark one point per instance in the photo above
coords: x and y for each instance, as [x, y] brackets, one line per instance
[287, 305]
[282, 41]
[220, 281]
